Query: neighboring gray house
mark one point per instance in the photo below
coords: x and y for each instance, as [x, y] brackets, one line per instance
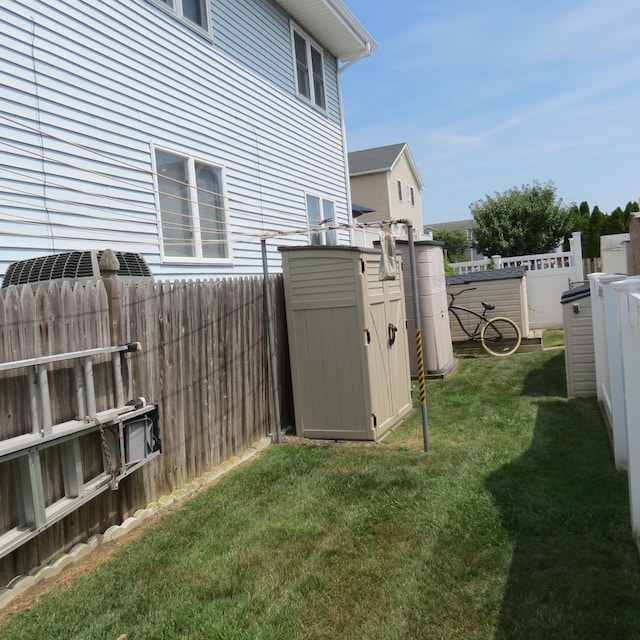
[386, 180]
[179, 129]
[458, 225]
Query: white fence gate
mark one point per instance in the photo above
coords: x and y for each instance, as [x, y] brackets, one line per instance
[549, 275]
[616, 331]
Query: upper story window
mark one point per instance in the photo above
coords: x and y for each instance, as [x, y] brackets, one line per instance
[309, 70]
[320, 213]
[194, 11]
[400, 190]
[190, 194]
[412, 197]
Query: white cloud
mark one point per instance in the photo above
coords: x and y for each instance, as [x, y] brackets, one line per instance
[449, 140]
[591, 30]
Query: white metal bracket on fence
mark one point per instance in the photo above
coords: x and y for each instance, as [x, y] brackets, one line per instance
[128, 433]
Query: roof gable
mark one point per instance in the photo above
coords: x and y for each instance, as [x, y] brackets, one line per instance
[376, 159]
[381, 159]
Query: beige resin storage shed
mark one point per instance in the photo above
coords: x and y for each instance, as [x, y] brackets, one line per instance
[347, 343]
[506, 289]
[579, 351]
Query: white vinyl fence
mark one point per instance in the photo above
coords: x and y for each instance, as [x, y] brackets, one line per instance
[616, 330]
[549, 275]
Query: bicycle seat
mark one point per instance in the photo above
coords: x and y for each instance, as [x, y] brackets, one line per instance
[488, 307]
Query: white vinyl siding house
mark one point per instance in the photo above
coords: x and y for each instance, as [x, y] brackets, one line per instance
[92, 91]
[193, 12]
[321, 213]
[309, 69]
[192, 211]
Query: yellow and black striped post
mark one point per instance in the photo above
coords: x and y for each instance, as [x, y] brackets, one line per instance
[423, 388]
[417, 315]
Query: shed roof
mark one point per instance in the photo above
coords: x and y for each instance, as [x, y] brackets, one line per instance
[453, 225]
[489, 274]
[577, 293]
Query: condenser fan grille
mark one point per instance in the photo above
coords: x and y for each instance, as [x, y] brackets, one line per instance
[131, 264]
[73, 265]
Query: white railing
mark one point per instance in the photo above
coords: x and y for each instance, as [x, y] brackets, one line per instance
[549, 275]
[537, 262]
[563, 260]
[616, 330]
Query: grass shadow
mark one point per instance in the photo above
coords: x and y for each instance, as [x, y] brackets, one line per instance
[573, 572]
[550, 377]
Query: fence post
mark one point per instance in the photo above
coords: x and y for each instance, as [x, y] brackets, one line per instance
[575, 245]
[109, 267]
[629, 308]
[634, 235]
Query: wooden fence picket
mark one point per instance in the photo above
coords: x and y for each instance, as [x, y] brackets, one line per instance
[204, 362]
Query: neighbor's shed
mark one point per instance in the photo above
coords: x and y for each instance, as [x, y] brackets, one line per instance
[579, 352]
[347, 342]
[506, 289]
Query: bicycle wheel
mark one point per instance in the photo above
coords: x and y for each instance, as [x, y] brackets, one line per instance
[500, 337]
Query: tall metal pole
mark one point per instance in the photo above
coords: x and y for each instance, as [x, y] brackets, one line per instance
[272, 342]
[418, 319]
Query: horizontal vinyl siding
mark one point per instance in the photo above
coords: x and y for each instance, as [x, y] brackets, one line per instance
[371, 191]
[579, 349]
[257, 35]
[402, 171]
[117, 77]
[321, 277]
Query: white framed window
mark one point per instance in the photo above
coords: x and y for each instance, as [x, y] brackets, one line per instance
[309, 66]
[321, 213]
[412, 197]
[400, 190]
[194, 12]
[192, 211]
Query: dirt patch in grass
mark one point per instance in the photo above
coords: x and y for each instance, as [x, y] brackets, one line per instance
[33, 595]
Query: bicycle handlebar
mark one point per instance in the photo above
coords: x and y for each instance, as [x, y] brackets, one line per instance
[453, 295]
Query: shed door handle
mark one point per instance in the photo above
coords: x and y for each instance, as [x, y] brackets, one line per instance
[392, 329]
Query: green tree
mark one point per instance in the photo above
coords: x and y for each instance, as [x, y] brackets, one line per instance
[456, 244]
[520, 221]
[585, 210]
[578, 221]
[632, 207]
[616, 222]
[593, 224]
[596, 228]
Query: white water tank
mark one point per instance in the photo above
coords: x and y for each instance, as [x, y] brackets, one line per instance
[434, 307]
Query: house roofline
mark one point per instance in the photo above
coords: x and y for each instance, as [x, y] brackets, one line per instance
[405, 149]
[412, 164]
[333, 25]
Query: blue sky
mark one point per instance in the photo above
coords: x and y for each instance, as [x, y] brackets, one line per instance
[495, 94]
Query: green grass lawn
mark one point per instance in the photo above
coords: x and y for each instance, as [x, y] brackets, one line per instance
[514, 526]
[553, 338]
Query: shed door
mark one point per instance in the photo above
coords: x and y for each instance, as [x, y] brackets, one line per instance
[389, 378]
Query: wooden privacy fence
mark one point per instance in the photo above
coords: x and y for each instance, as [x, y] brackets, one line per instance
[204, 361]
